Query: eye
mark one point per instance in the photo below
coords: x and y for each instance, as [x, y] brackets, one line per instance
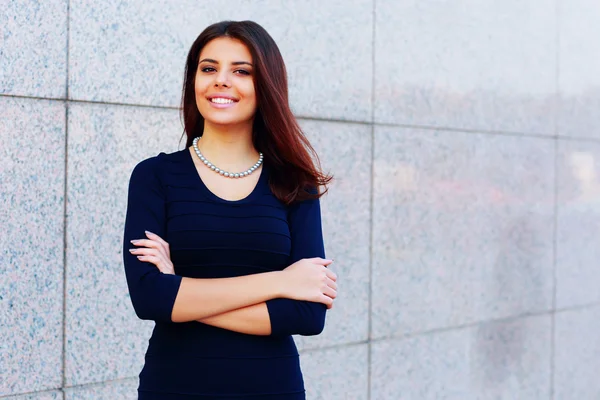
[242, 72]
[208, 69]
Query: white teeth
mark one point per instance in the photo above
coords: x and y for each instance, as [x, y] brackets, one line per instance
[220, 100]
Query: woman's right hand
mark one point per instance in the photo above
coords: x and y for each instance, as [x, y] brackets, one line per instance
[309, 279]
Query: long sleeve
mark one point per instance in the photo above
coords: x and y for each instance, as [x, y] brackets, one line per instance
[290, 317]
[152, 292]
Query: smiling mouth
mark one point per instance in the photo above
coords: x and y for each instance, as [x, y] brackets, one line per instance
[221, 100]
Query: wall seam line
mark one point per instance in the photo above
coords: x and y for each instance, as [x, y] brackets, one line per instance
[371, 205]
[464, 326]
[65, 193]
[557, 106]
[447, 129]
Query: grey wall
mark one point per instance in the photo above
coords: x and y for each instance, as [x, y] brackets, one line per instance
[464, 221]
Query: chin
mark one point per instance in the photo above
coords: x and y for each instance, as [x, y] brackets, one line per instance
[226, 119]
[222, 119]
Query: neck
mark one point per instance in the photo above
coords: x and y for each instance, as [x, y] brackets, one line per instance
[228, 147]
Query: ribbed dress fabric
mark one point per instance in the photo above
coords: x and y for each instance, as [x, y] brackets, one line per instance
[210, 237]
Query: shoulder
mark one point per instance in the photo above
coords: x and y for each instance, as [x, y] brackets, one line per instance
[307, 207]
[159, 161]
[153, 167]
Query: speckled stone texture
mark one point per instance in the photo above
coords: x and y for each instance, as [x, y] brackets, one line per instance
[50, 395]
[32, 144]
[494, 360]
[336, 374]
[134, 52]
[471, 214]
[577, 345]
[33, 48]
[578, 224]
[105, 340]
[345, 152]
[579, 63]
[125, 389]
[462, 228]
[476, 64]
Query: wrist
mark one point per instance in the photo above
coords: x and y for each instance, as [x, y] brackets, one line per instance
[277, 284]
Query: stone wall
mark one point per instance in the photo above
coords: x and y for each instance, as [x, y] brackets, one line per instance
[464, 220]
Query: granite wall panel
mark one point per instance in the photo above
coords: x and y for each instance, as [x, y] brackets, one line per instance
[483, 65]
[33, 48]
[104, 338]
[576, 349]
[32, 184]
[578, 64]
[49, 395]
[578, 223]
[125, 389]
[336, 373]
[462, 228]
[493, 360]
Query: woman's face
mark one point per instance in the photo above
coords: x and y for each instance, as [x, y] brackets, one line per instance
[225, 83]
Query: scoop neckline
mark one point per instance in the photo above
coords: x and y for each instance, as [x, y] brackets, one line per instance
[219, 199]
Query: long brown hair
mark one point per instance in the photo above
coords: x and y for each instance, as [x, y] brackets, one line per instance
[295, 168]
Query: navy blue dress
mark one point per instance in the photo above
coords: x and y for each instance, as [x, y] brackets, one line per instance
[210, 237]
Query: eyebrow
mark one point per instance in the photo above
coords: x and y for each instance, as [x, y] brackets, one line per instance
[210, 60]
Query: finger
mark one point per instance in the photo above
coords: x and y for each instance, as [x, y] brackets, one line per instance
[150, 259]
[330, 274]
[145, 243]
[320, 261]
[329, 292]
[154, 236]
[155, 244]
[145, 251]
[332, 284]
[328, 301]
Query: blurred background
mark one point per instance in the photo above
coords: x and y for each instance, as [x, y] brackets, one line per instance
[464, 220]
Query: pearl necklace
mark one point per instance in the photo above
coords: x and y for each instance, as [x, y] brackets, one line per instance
[225, 173]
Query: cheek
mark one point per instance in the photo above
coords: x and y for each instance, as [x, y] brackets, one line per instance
[201, 83]
[199, 87]
[250, 93]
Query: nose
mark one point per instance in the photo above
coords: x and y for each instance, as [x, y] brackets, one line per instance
[221, 80]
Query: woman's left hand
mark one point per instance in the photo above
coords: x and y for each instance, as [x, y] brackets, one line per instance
[155, 251]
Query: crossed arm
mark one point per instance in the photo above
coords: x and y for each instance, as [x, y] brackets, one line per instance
[260, 304]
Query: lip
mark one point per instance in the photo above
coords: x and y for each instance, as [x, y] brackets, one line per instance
[222, 96]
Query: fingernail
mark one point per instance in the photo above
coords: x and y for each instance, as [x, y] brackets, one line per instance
[134, 241]
[148, 232]
[139, 257]
[132, 250]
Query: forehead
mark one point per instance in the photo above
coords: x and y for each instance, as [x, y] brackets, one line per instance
[225, 49]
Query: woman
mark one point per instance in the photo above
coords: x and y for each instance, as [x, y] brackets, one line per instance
[227, 254]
